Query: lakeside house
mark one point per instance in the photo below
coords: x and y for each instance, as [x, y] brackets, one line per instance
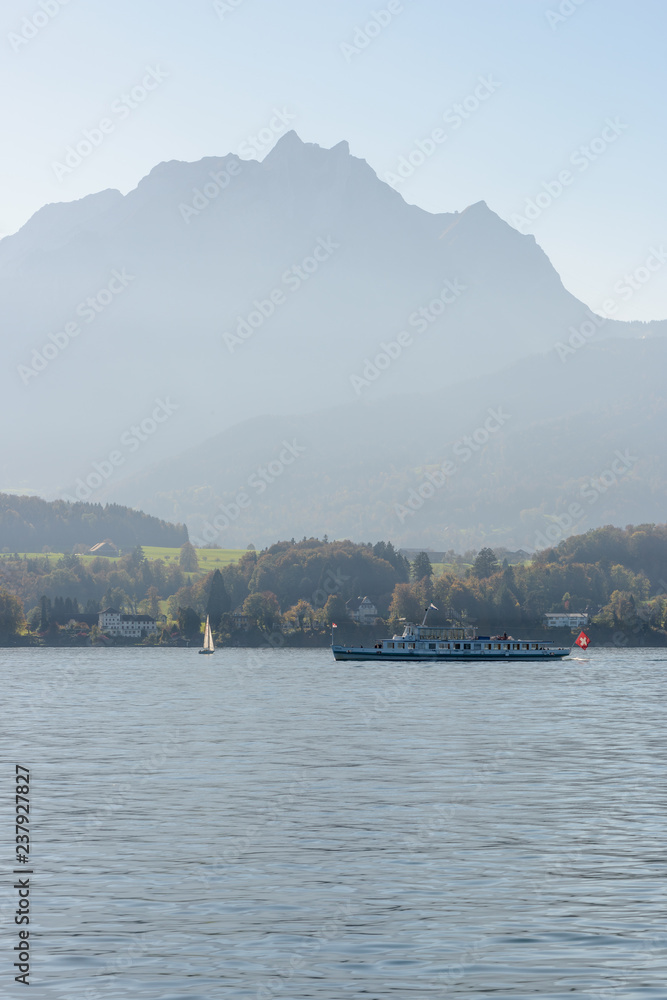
[126, 626]
[562, 619]
[362, 610]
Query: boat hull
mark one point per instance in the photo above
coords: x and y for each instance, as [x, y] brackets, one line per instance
[436, 656]
[206, 652]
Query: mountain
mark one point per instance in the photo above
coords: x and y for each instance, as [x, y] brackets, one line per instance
[216, 293]
[520, 459]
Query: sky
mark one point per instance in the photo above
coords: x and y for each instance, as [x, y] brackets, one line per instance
[550, 111]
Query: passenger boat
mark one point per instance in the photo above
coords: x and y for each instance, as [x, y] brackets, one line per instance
[424, 642]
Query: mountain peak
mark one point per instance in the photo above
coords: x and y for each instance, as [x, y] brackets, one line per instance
[292, 145]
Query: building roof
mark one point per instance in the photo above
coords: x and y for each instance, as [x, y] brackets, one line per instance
[565, 614]
[102, 546]
[355, 603]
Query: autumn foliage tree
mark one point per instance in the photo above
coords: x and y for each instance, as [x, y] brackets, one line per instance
[12, 618]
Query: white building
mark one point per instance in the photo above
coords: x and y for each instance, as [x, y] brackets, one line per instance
[562, 619]
[126, 626]
[362, 610]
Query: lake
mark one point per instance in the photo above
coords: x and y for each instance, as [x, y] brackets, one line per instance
[266, 824]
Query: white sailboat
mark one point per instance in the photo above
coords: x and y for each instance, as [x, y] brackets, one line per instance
[208, 646]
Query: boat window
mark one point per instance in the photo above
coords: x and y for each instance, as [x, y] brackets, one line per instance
[431, 645]
[390, 645]
[411, 645]
[517, 645]
[457, 645]
[534, 646]
[466, 645]
[441, 645]
[476, 645]
[400, 645]
[488, 645]
[506, 646]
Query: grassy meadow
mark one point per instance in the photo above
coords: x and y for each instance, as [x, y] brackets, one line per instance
[209, 559]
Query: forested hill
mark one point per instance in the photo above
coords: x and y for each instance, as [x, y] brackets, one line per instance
[28, 524]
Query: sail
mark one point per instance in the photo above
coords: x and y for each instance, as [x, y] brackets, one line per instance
[208, 637]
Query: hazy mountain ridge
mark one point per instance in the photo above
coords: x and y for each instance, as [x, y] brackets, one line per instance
[187, 281]
[360, 462]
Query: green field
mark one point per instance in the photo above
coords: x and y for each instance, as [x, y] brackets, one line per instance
[208, 558]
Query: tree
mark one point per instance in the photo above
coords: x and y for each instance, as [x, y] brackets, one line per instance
[335, 611]
[153, 601]
[485, 564]
[218, 603]
[12, 619]
[302, 614]
[189, 622]
[405, 604]
[187, 559]
[134, 560]
[45, 613]
[262, 609]
[421, 567]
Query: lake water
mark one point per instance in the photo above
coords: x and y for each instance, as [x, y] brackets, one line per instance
[273, 824]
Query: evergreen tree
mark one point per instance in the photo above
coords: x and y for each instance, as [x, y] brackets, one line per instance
[485, 564]
[218, 602]
[421, 567]
[189, 622]
[45, 613]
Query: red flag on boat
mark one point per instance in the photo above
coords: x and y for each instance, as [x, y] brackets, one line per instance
[582, 641]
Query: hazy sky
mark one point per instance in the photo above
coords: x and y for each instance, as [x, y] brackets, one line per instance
[552, 76]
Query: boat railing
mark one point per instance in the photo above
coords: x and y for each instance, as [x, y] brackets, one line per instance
[436, 632]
